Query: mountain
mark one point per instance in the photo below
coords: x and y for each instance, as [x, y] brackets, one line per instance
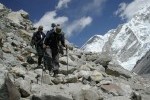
[95, 43]
[129, 42]
[95, 78]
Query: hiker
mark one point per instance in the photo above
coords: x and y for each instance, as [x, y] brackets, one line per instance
[53, 25]
[37, 40]
[51, 43]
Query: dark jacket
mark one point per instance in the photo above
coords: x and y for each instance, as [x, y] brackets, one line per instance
[54, 40]
[38, 38]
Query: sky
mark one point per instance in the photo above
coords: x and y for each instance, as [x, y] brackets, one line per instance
[80, 19]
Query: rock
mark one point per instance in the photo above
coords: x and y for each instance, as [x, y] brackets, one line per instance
[85, 67]
[3, 88]
[71, 79]
[63, 69]
[145, 97]
[12, 90]
[1, 7]
[98, 68]
[18, 71]
[84, 74]
[87, 94]
[118, 98]
[116, 70]
[49, 97]
[136, 96]
[126, 88]
[6, 50]
[24, 14]
[58, 80]
[103, 60]
[96, 76]
[91, 56]
[63, 60]
[24, 87]
[47, 79]
[20, 58]
[106, 81]
[17, 18]
[113, 89]
[1, 54]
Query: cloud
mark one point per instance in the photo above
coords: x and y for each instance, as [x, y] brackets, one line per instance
[70, 28]
[94, 6]
[127, 11]
[77, 25]
[50, 17]
[62, 3]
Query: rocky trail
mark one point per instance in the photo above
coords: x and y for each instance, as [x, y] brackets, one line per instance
[90, 76]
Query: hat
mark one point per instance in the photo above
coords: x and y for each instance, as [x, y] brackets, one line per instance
[53, 25]
[58, 29]
[40, 27]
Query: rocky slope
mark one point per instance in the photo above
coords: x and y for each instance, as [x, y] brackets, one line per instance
[142, 66]
[128, 42]
[90, 76]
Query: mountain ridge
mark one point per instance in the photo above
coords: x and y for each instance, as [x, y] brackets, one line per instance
[129, 41]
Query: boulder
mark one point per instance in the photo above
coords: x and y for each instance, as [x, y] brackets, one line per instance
[87, 93]
[63, 60]
[24, 87]
[117, 70]
[96, 76]
[113, 89]
[71, 79]
[118, 98]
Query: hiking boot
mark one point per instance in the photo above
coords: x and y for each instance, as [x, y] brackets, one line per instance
[55, 73]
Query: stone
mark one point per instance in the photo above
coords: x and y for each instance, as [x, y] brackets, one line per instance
[21, 58]
[47, 79]
[6, 50]
[96, 76]
[24, 14]
[86, 93]
[85, 67]
[63, 69]
[118, 98]
[24, 87]
[58, 80]
[113, 89]
[71, 79]
[49, 97]
[116, 70]
[136, 96]
[13, 92]
[84, 74]
[63, 60]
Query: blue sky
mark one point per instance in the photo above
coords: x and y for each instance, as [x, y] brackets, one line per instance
[80, 19]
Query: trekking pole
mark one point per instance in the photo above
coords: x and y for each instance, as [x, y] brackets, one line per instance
[67, 59]
[42, 76]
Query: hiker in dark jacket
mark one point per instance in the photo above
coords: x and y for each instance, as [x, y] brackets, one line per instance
[37, 40]
[52, 43]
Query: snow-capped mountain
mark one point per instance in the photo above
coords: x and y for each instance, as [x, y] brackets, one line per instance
[128, 42]
[95, 43]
